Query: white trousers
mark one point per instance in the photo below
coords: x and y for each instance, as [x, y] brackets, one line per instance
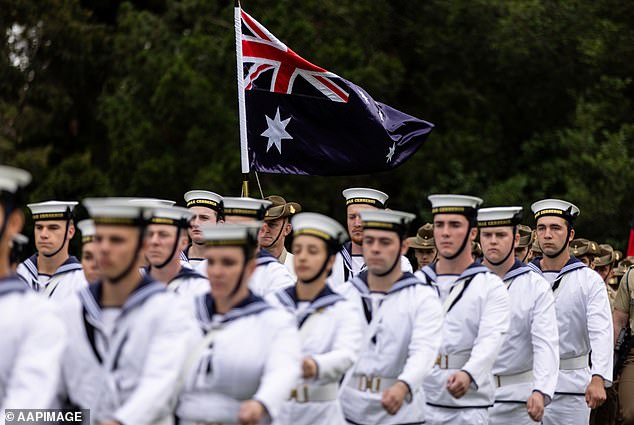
[444, 416]
[567, 410]
[509, 413]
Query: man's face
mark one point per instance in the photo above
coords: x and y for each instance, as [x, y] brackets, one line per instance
[202, 215]
[160, 240]
[552, 233]
[269, 231]
[355, 228]
[588, 260]
[49, 235]
[381, 249]
[89, 261]
[116, 248]
[424, 257]
[496, 242]
[604, 271]
[450, 231]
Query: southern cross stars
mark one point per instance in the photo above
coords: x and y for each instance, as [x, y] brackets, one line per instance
[390, 153]
[276, 131]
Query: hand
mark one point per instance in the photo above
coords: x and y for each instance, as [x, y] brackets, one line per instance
[393, 397]
[458, 384]
[251, 412]
[535, 406]
[595, 393]
[309, 368]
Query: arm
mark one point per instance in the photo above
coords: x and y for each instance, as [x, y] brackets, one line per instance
[494, 323]
[621, 313]
[600, 332]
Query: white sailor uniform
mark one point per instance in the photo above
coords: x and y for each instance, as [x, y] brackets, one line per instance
[247, 353]
[124, 364]
[185, 258]
[401, 341]
[347, 266]
[477, 311]
[585, 324]
[32, 343]
[287, 259]
[68, 279]
[529, 358]
[187, 282]
[331, 332]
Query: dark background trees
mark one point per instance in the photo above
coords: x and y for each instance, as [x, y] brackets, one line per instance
[531, 98]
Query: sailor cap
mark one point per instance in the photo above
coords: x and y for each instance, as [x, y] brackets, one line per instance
[396, 221]
[174, 216]
[87, 229]
[454, 204]
[555, 207]
[229, 234]
[203, 198]
[363, 195]
[12, 179]
[152, 202]
[499, 216]
[245, 207]
[117, 211]
[52, 210]
[319, 225]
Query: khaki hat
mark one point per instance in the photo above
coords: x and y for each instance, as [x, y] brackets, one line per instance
[527, 237]
[476, 249]
[536, 248]
[580, 247]
[424, 238]
[618, 256]
[625, 264]
[605, 256]
[280, 208]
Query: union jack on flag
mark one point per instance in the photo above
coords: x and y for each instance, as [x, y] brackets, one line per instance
[303, 119]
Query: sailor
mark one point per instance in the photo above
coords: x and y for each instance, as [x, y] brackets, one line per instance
[583, 317]
[241, 370]
[349, 261]
[33, 336]
[584, 250]
[206, 208]
[270, 275]
[475, 302]
[166, 238]
[523, 247]
[403, 331]
[525, 372]
[51, 269]
[88, 250]
[330, 326]
[130, 334]
[277, 227]
[423, 245]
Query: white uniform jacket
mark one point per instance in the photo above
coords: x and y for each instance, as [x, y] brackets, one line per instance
[31, 347]
[475, 324]
[185, 258]
[585, 324]
[342, 270]
[531, 345]
[68, 279]
[189, 282]
[130, 376]
[253, 356]
[331, 333]
[402, 336]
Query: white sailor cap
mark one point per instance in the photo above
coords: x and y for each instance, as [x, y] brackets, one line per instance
[52, 210]
[363, 195]
[203, 198]
[87, 228]
[454, 204]
[499, 216]
[239, 234]
[174, 216]
[152, 202]
[12, 179]
[319, 225]
[555, 207]
[391, 220]
[245, 207]
[116, 211]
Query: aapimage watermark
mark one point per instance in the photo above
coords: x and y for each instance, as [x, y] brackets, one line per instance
[46, 416]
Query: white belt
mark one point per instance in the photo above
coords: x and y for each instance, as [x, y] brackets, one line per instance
[518, 378]
[373, 384]
[306, 393]
[579, 362]
[452, 361]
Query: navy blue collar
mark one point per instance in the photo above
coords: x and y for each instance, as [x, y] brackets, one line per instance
[517, 269]
[91, 296]
[185, 254]
[186, 273]
[11, 284]
[206, 308]
[406, 280]
[264, 257]
[572, 264]
[326, 297]
[71, 263]
[474, 268]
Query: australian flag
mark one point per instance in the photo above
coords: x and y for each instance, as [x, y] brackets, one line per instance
[303, 119]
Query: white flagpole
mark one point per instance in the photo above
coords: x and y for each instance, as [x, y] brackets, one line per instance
[244, 154]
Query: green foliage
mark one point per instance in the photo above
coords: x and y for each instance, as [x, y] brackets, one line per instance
[531, 98]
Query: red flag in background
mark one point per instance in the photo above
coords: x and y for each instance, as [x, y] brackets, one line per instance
[630, 244]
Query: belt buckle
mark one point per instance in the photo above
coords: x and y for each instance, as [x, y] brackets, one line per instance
[375, 384]
[369, 383]
[295, 394]
[439, 361]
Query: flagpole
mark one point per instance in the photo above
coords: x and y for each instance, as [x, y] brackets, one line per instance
[242, 111]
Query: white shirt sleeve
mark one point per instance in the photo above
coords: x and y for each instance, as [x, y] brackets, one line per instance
[600, 329]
